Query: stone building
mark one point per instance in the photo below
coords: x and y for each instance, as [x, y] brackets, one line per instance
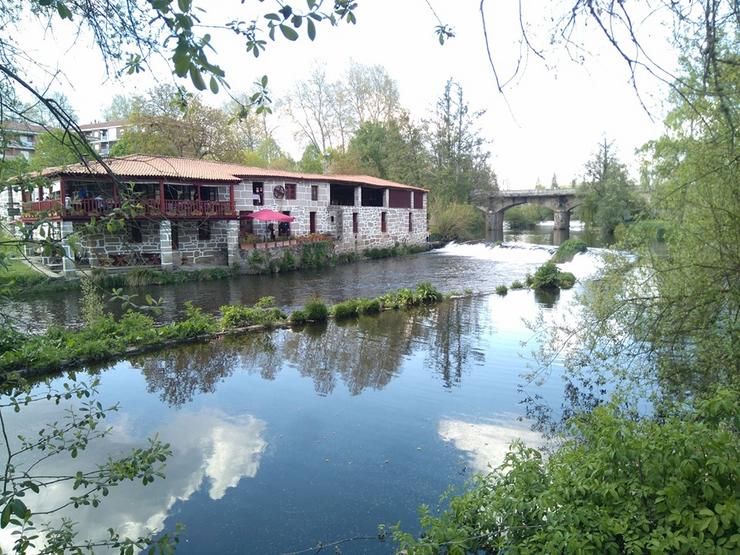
[197, 213]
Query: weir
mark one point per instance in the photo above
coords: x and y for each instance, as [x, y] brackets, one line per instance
[560, 201]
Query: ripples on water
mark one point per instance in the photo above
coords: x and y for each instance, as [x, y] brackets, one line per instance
[286, 439]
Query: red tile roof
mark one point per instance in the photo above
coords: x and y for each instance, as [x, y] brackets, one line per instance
[139, 165]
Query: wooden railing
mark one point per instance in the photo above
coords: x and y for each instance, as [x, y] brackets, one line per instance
[145, 207]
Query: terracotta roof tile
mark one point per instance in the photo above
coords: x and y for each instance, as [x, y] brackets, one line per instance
[138, 165]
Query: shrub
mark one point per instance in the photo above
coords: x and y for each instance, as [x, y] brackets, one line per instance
[502, 290]
[346, 309]
[287, 262]
[616, 485]
[516, 284]
[239, 316]
[546, 277]
[195, 323]
[316, 310]
[567, 280]
[426, 293]
[298, 317]
[529, 280]
[568, 249]
[456, 221]
[368, 306]
[137, 328]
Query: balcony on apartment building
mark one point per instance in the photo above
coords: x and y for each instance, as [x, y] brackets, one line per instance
[79, 200]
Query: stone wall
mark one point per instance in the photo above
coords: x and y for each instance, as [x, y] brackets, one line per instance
[99, 248]
[193, 251]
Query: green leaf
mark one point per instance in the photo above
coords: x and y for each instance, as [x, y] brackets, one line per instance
[214, 85]
[311, 29]
[197, 78]
[288, 32]
[5, 516]
[184, 5]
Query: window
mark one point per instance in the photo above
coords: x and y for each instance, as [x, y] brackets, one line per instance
[204, 231]
[314, 192]
[411, 222]
[355, 222]
[383, 223]
[399, 199]
[312, 222]
[134, 232]
[418, 199]
[290, 191]
[175, 234]
[258, 193]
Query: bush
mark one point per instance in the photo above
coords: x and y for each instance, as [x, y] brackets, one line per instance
[529, 280]
[456, 221]
[567, 280]
[502, 290]
[195, 323]
[298, 317]
[516, 284]
[616, 485]
[261, 314]
[368, 306]
[426, 293]
[346, 309]
[568, 249]
[316, 310]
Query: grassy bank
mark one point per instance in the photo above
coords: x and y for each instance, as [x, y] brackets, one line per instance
[107, 338]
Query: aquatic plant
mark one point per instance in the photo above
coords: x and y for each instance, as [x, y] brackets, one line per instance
[346, 309]
[316, 310]
[516, 284]
[426, 293]
[502, 290]
[298, 317]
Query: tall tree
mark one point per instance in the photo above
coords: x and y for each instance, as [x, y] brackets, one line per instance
[460, 162]
[609, 196]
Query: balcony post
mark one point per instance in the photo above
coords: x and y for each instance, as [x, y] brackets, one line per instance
[161, 197]
[63, 208]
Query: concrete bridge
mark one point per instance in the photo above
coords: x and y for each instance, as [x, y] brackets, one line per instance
[560, 201]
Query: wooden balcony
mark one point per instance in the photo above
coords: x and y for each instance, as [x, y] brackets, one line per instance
[85, 209]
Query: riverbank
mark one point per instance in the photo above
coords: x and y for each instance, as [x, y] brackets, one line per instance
[21, 282]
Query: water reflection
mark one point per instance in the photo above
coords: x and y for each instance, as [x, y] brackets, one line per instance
[212, 451]
[486, 444]
[361, 354]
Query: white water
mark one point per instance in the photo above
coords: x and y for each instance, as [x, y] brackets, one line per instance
[584, 265]
[506, 252]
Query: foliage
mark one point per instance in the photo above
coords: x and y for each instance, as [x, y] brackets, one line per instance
[549, 276]
[263, 313]
[502, 290]
[55, 148]
[516, 284]
[527, 215]
[25, 478]
[298, 317]
[395, 250]
[316, 254]
[195, 324]
[568, 249]
[315, 310]
[456, 221]
[346, 309]
[424, 294]
[608, 195]
[617, 484]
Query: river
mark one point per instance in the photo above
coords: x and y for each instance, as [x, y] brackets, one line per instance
[456, 269]
[286, 439]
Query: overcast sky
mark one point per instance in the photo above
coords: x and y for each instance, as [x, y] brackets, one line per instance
[550, 120]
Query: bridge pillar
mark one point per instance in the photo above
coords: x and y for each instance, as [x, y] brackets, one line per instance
[562, 219]
[495, 226]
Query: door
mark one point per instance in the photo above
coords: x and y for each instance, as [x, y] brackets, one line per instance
[312, 222]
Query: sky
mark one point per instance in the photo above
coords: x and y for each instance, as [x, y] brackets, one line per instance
[549, 121]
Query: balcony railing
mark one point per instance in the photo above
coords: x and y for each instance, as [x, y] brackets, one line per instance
[86, 208]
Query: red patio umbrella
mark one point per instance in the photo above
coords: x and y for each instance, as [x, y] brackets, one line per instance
[266, 215]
